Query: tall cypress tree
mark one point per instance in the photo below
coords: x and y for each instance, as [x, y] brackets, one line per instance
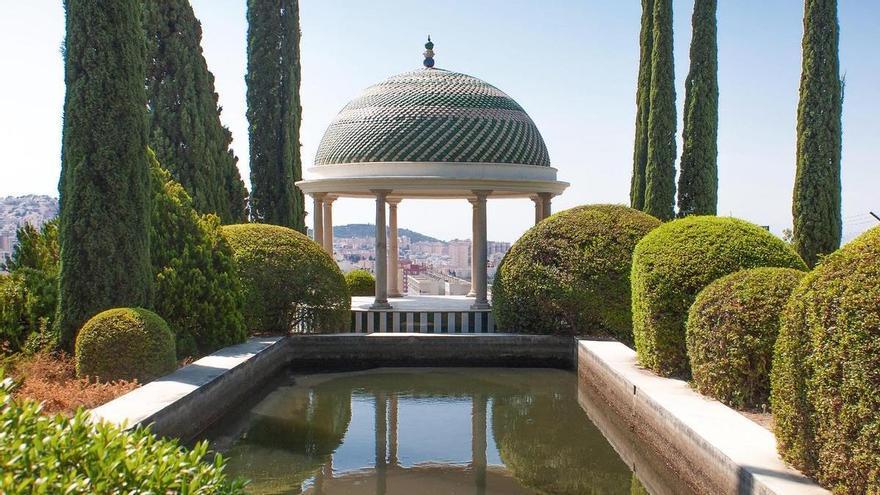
[660, 167]
[816, 205]
[185, 128]
[274, 112]
[698, 170]
[105, 181]
[643, 92]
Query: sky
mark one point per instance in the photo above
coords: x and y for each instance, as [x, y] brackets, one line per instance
[571, 65]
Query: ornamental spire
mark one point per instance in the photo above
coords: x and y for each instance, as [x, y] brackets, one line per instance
[429, 53]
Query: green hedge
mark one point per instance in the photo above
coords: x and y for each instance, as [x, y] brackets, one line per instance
[125, 344]
[287, 277]
[569, 274]
[197, 289]
[675, 262]
[731, 329]
[42, 454]
[360, 283]
[826, 371]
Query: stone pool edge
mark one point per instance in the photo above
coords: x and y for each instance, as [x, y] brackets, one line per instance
[697, 437]
[186, 402]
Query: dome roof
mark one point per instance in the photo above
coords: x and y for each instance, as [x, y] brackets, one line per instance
[433, 115]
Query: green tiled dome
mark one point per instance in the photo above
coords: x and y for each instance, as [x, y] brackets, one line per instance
[433, 115]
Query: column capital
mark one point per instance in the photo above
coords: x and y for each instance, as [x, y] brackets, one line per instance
[329, 199]
[481, 194]
[318, 196]
[381, 192]
[393, 201]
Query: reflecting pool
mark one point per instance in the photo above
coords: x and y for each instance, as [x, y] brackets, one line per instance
[422, 431]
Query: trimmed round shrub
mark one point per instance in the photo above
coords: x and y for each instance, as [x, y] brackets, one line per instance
[125, 344]
[569, 274]
[731, 329]
[826, 371]
[288, 281]
[360, 283]
[675, 262]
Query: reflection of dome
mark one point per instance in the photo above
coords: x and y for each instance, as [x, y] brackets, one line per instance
[433, 115]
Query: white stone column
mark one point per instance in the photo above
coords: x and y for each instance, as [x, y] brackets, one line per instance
[328, 224]
[381, 258]
[546, 209]
[479, 251]
[539, 208]
[393, 250]
[318, 226]
[473, 291]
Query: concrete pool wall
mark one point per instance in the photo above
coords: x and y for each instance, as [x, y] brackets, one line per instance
[708, 446]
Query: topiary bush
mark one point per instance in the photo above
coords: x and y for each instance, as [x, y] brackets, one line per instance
[197, 289]
[125, 344]
[570, 273]
[56, 454]
[675, 262]
[731, 329]
[825, 380]
[287, 280]
[360, 283]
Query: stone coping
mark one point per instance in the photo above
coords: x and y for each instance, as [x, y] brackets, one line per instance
[185, 402]
[702, 436]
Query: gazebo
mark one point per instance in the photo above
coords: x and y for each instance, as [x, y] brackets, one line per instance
[429, 134]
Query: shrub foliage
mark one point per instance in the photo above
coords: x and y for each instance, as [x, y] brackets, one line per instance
[675, 262]
[29, 293]
[286, 278]
[197, 289]
[731, 329]
[825, 386]
[125, 344]
[43, 454]
[570, 273]
[360, 283]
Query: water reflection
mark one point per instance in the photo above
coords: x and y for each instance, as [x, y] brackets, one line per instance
[407, 431]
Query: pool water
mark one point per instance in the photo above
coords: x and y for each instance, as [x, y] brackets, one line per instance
[422, 431]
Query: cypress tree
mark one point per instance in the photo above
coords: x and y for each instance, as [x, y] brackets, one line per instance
[816, 204]
[660, 167]
[185, 129]
[643, 91]
[698, 170]
[105, 181]
[274, 112]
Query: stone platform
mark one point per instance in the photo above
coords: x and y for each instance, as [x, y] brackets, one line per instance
[421, 314]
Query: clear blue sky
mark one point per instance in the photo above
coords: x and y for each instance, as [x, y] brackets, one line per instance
[571, 64]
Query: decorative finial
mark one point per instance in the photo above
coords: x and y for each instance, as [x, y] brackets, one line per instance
[429, 53]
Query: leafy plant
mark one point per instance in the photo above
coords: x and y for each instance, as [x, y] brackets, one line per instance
[360, 283]
[42, 454]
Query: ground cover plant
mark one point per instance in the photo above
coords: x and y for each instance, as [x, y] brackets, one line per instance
[674, 262]
[824, 382]
[731, 330]
[57, 454]
[570, 273]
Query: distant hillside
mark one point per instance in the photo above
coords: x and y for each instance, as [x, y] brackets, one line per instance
[369, 230]
[18, 210]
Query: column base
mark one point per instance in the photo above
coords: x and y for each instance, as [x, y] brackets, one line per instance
[380, 305]
[481, 305]
[471, 294]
